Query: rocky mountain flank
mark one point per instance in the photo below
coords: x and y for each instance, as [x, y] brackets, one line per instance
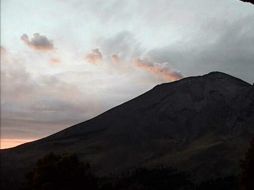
[198, 124]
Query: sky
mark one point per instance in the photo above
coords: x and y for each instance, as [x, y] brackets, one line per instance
[66, 61]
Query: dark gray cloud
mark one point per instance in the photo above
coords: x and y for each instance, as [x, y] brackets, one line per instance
[38, 42]
[228, 47]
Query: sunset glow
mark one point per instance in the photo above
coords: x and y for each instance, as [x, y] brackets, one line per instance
[9, 143]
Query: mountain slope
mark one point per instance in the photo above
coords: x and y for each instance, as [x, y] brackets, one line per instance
[249, 1]
[201, 124]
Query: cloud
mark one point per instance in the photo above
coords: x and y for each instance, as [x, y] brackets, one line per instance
[158, 70]
[115, 59]
[68, 97]
[122, 50]
[227, 46]
[94, 57]
[54, 61]
[38, 42]
[123, 44]
[3, 50]
[38, 105]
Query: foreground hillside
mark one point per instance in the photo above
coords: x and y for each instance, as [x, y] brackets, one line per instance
[201, 124]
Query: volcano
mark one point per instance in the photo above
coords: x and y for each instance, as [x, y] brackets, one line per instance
[200, 124]
[248, 1]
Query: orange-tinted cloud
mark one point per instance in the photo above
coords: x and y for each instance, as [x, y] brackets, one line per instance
[54, 61]
[38, 42]
[3, 50]
[115, 58]
[163, 72]
[94, 57]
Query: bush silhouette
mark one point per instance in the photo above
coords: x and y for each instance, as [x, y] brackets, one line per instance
[67, 172]
[61, 172]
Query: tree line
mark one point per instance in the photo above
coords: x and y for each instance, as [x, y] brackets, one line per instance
[67, 172]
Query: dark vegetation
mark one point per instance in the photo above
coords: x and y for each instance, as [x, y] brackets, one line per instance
[67, 172]
[60, 172]
[247, 165]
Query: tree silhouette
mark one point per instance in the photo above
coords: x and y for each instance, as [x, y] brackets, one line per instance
[247, 165]
[67, 172]
[61, 172]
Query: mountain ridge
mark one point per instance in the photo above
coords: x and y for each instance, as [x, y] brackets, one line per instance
[197, 124]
